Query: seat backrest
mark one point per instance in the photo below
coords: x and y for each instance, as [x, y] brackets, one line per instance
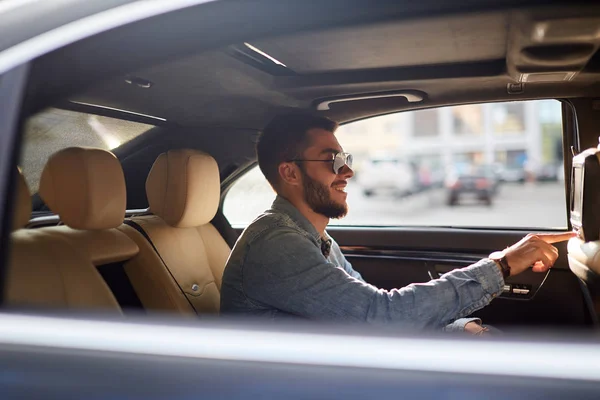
[57, 266]
[584, 255]
[584, 262]
[181, 263]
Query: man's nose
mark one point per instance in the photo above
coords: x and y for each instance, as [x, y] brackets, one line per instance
[346, 172]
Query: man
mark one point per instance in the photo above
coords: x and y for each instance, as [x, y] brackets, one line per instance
[285, 264]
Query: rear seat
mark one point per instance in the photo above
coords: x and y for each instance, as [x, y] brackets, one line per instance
[57, 266]
[180, 264]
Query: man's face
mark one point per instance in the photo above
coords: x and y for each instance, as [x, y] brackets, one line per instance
[323, 189]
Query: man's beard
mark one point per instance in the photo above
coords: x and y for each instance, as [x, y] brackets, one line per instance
[318, 198]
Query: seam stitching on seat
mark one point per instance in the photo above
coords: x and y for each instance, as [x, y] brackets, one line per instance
[62, 275]
[166, 188]
[86, 187]
[146, 236]
[206, 251]
[185, 189]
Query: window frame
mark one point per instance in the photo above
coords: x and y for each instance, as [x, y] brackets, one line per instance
[569, 137]
[12, 93]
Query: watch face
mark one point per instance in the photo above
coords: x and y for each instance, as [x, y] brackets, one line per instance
[496, 255]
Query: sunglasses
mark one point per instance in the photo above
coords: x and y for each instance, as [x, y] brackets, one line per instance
[338, 161]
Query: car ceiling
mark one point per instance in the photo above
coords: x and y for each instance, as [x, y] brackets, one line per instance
[449, 59]
[453, 39]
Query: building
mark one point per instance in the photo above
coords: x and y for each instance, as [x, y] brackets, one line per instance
[524, 135]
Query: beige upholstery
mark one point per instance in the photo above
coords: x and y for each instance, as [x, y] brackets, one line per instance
[585, 253]
[56, 266]
[85, 187]
[183, 190]
[23, 203]
[46, 270]
[101, 247]
[584, 256]
[584, 262]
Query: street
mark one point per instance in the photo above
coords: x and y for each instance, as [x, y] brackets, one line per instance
[538, 205]
[535, 205]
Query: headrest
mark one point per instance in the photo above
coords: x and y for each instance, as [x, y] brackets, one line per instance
[85, 187]
[183, 188]
[23, 203]
[585, 195]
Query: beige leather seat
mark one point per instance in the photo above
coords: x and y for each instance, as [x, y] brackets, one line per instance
[57, 266]
[584, 256]
[584, 262]
[184, 273]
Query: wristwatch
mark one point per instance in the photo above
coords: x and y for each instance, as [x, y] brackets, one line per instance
[500, 258]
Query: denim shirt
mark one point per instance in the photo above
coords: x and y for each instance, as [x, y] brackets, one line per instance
[277, 269]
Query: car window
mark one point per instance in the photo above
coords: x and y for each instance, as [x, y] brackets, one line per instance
[481, 165]
[55, 129]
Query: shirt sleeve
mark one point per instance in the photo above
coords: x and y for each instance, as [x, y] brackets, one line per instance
[339, 256]
[459, 324]
[285, 270]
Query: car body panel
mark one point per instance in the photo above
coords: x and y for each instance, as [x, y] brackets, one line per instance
[95, 356]
[387, 175]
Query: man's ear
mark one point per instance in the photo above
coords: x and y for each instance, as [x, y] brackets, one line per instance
[289, 173]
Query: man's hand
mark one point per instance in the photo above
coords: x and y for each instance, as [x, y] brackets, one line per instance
[535, 250]
[476, 329]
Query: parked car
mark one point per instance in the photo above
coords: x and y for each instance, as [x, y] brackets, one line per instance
[467, 180]
[512, 174]
[549, 172]
[387, 175]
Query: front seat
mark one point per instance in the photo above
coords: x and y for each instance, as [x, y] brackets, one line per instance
[584, 251]
[182, 256]
[584, 262]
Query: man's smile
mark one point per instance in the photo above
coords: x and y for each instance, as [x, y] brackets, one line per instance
[339, 186]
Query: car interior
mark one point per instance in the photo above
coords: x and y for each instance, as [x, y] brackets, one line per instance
[133, 138]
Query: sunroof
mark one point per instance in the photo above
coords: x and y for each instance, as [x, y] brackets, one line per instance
[250, 54]
[469, 38]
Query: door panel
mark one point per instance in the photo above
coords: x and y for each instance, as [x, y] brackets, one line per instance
[389, 272]
[393, 258]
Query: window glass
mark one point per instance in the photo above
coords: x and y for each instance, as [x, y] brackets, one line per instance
[248, 198]
[508, 118]
[54, 129]
[462, 178]
[467, 120]
[426, 123]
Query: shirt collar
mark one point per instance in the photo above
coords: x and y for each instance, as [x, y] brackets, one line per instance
[284, 206]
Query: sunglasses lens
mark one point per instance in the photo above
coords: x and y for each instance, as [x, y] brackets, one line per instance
[338, 163]
[340, 160]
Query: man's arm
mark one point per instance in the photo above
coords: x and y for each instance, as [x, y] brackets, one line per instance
[339, 257]
[460, 324]
[285, 270]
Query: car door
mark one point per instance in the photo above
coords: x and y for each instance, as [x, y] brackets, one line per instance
[447, 222]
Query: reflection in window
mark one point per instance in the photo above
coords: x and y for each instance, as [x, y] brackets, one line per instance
[468, 120]
[508, 118]
[426, 123]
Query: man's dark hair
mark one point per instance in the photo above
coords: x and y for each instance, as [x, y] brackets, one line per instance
[284, 139]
